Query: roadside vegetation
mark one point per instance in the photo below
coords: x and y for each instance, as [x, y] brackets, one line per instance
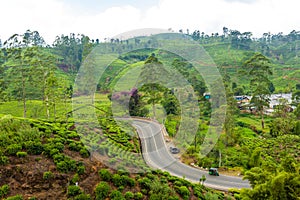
[43, 153]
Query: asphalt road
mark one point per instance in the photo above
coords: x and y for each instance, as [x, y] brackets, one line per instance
[157, 155]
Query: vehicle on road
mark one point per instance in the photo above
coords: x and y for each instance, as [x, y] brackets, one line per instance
[213, 171]
[174, 150]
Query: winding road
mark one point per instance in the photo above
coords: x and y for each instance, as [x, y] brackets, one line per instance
[157, 155]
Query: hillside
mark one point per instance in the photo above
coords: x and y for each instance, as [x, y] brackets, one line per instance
[51, 147]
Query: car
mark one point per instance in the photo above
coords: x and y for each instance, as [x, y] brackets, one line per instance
[174, 150]
[213, 171]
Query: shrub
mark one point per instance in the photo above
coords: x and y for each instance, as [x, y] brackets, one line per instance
[13, 149]
[62, 166]
[3, 160]
[4, 190]
[66, 165]
[58, 158]
[104, 174]
[83, 197]
[81, 169]
[74, 179]
[84, 153]
[34, 147]
[183, 191]
[128, 181]
[102, 190]
[145, 183]
[21, 154]
[54, 152]
[116, 195]
[47, 175]
[129, 195]
[138, 196]
[74, 146]
[17, 197]
[73, 190]
[117, 180]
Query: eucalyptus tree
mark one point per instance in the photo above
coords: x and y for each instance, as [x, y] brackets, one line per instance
[26, 65]
[153, 90]
[258, 69]
[72, 50]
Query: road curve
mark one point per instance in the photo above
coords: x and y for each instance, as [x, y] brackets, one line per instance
[157, 155]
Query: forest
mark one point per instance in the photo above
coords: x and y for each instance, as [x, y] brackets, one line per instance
[44, 150]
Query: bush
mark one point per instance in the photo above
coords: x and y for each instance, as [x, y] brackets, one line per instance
[21, 154]
[74, 146]
[3, 160]
[102, 190]
[17, 197]
[116, 195]
[13, 149]
[145, 183]
[83, 197]
[138, 196]
[117, 180]
[47, 175]
[74, 179]
[66, 165]
[34, 147]
[4, 190]
[129, 195]
[84, 153]
[183, 191]
[81, 169]
[105, 174]
[73, 190]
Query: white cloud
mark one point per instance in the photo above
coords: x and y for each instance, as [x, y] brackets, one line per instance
[54, 17]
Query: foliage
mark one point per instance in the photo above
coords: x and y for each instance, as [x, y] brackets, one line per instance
[16, 197]
[4, 190]
[258, 68]
[270, 182]
[73, 190]
[47, 175]
[102, 190]
[104, 174]
[116, 195]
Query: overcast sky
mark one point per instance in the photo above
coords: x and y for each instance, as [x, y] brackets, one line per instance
[106, 18]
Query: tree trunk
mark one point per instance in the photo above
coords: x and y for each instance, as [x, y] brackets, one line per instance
[47, 106]
[154, 111]
[262, 119]
[23, 94]
[220, 158]
[54, 111]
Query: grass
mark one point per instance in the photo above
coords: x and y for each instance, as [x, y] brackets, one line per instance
[254, 123]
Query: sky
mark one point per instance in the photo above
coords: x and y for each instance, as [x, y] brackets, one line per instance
[101, 19]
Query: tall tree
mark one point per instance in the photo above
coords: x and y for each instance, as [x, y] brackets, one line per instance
[72, 50]
[25, 59]
[258, 68]
[150, 75]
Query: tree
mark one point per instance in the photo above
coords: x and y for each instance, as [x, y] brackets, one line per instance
[2, 77]
[170, 103]
[72, 49]
[202, 179]
[136, 104]
[258, 69]
[272, 182]
[23, 58]
[20, 71]
[153, 93]
[151, 73]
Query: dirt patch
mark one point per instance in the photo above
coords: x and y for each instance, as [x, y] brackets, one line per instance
[25, 176]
